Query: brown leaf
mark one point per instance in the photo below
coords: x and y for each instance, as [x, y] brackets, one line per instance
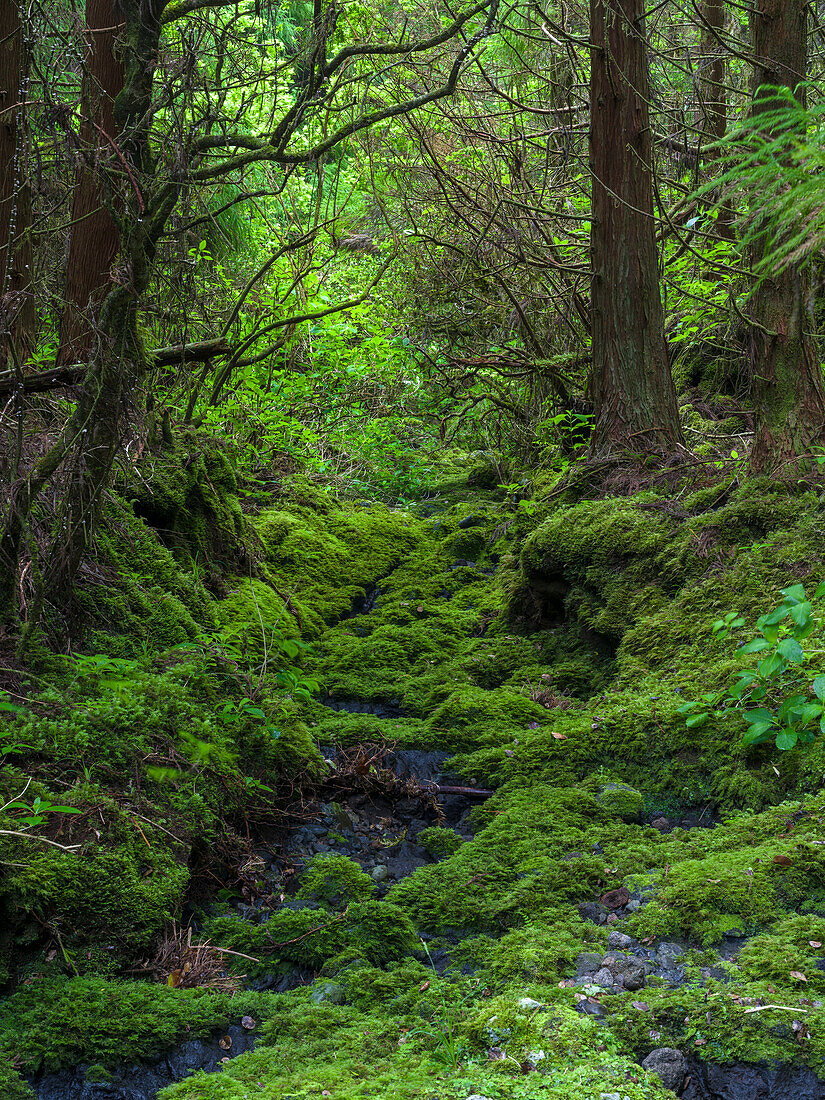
[423, 987]
[641, 1006]
[173, 981]
[559, 736]
[225, 1043]
[798, 975]
[699, 1042]
[248, 1023]
[814, 943]
[783, 861]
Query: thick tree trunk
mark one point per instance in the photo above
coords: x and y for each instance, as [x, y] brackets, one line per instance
[17, 313]
[713, 99]
[631, 384]
[94, 238]
[789, 396]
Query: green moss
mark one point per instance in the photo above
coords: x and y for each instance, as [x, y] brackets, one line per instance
[12, 1085]
[335, 880]
[439, 842]
[54, 1023]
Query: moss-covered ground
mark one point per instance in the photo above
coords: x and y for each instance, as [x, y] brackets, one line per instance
[548, 647]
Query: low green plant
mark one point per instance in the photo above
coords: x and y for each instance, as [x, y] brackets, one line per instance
[789, 697]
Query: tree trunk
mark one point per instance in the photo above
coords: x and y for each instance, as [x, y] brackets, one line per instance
[789, 396]
[713, 105]
[17, 313]
[94, 237]
[631, 384]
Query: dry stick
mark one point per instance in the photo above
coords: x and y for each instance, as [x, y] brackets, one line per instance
[782, 1008]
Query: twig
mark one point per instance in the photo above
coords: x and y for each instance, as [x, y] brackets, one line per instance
[782, 1008]
[34, 836]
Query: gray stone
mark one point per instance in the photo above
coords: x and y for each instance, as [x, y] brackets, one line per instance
[527, 1004]
[669, 955]
[327, 993]
[587, 963]
[603, 978]
[629, 971]
[633, 905]
[379, 873]
[619, 940]
[669, 1064]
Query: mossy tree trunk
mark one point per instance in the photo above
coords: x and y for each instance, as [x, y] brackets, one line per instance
[17, 312]
[631, 384]
[789, 396]
[95, 238]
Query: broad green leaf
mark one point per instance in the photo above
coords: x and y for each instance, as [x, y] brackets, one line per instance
[776, 616]
[786, 739]
[801, 613]
[758, 715]
[820, 590]
[697, 720]
[791, 650]
[792, 703]
[795, 594]
[756, 729]
[771, 665]
[819, 687]
[756, 646]
[758, 736]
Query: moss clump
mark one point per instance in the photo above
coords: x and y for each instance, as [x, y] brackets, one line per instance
[12, 1085]
[439, 842]
[621, 800]
[335, 880]
[55, 1023]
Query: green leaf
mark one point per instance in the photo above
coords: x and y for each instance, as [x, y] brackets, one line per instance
[756, 729]
[801, 613]
[819, 687]
[791, 650]
[756, 646]
[820, 590]
[757, 736]
[758, 715]
[786, 739]
[776, 616]
[771, 665]
[691, 708]
[795, 594]
[697, 720]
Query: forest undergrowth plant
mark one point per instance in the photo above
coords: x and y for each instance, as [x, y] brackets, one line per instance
[782, 697]
[441, 1032]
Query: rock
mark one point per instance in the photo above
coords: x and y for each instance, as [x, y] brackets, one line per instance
[478, 1096]
[471, 521]
[591, 1008]
[587, 963]
[669, 1064]
[615, 899]
[592, 911]
[527, 1004]
[609, 1096]
[669, 955]
[327, 993]
[660, 823]
[630, 971]
[612, 919]
[633, 905]
[619, 940]
[620, 799]
[379, 872]
[604, 978]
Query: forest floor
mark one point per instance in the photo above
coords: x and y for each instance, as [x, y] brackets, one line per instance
[487, 859]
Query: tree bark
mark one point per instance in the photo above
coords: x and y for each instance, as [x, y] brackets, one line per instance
[17, 312]
[631, 383]
[713, 99]
[94, 238]
[789, 396]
